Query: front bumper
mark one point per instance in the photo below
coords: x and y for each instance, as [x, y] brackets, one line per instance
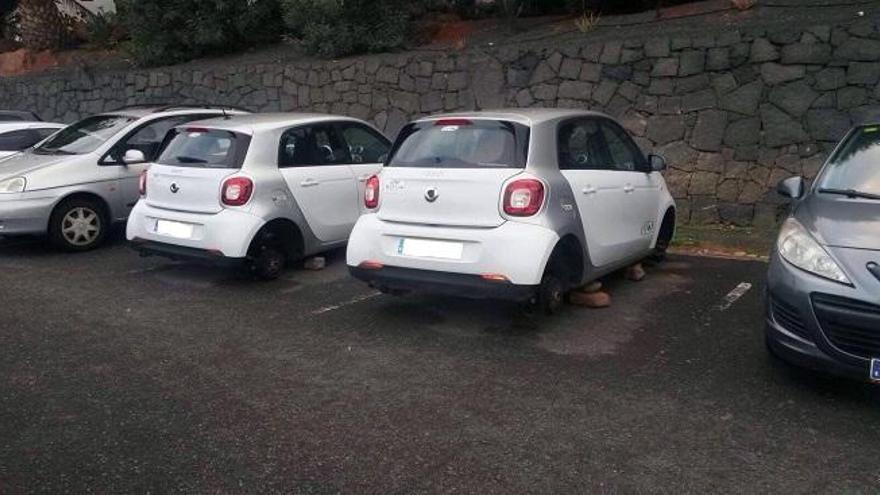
[518, 251]
[227, 233]
[25, 213]
[794, 331]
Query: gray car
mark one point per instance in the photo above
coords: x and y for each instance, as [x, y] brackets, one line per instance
[78, 182]
[823, 297]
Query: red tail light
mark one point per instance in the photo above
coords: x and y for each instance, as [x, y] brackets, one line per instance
[142, 183]
[445, 122]
[371, 194]
[236, 191]
[523, 197]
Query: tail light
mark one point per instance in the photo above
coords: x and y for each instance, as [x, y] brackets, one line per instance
[236, 191]
[523, 197]
[371, 194]
[142, 183]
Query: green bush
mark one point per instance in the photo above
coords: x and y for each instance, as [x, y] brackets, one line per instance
[332, 28]
[171, 31]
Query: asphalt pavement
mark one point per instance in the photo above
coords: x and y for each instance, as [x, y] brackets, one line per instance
[124, 374]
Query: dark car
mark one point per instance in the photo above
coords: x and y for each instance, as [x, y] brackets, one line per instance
[823, 291]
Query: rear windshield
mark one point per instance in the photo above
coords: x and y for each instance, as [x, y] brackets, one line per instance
[203, 148]
[461, 143]
[856, 165]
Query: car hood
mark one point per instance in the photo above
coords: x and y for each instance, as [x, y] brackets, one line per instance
[838, 221]
[21, 164]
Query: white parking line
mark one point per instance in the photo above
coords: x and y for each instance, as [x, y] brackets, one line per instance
[734, 295]
[353, 300]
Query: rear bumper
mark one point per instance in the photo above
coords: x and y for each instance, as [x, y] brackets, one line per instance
[228, 232]
[451, 284]
[152, 248]
[518, 251]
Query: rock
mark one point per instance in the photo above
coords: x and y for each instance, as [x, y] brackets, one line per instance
[665, 129]
[570, 68]
[827, 124]
[657, 48]
[665, 67]
[774, 74]
[590, 72]
[709, 131]
[736, 214]
[763, 51]
[859, 49]
[618, 73]
[543, 73]
[611, 52]
[575, 90]
[718, 59]
[699, 100]
[863, 73]
[691, 62]
[315, 263]
[703, 183]
[830, 78]
[779, 128]
[851, 97]
[744, 100]
[602, 95]
[591, 300]
[806, 53]
[660, 86]
[635, 273]
[594, 286]
[795, 98]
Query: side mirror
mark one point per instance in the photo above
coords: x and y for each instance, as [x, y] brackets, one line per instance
[793, 187]
[657, 162]
[133, 156]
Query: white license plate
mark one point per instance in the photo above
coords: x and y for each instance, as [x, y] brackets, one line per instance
[174, 229]
[424, 248]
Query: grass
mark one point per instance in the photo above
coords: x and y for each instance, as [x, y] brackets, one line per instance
[587, 22]
[724, 240]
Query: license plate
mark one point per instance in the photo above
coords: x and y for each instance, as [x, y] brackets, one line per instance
[174, 229]
[424, 248]
[875, 370]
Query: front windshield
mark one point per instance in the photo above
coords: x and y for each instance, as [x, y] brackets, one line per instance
[856, 165]
[85, 136]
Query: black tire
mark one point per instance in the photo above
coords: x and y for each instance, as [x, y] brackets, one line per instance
[664, 239]
[78, 224]
[551, 292]
[268, 262]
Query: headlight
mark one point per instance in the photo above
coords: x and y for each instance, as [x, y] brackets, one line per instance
[799, 248]
[13, 185]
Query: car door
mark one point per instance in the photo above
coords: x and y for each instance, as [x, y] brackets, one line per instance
[368, 150]
[314, 161]
[147, 139]
[641, 187]
[598, 186]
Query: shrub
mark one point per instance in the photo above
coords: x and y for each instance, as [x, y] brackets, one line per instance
[103, 29]
[171, 31]
[332, 28]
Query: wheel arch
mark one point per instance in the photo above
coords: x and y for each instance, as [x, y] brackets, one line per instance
[668, 218]
[569, 251]
[287, 232]
[107, 211]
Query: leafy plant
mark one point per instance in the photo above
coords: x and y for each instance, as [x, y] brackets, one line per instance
[587, 22]
[103, 29]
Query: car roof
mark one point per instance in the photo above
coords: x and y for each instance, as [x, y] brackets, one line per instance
[20, 125]
[250, 123]
[141, 111]
[526, 116]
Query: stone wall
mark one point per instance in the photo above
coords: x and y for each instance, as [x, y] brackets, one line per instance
[733, 112]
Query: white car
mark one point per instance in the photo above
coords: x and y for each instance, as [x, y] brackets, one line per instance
[518, 204]
[16, 137]
[259, 190]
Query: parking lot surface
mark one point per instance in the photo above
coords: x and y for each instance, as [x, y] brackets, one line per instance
[122, 374]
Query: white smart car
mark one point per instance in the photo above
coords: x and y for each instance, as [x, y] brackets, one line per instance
[518, 204]
[260, 190]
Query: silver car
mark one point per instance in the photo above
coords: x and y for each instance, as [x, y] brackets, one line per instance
[823, 288]
[16, 137]
[84, 178]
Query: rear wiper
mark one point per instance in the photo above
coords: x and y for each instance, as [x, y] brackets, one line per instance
[189, 159]
[850, 193]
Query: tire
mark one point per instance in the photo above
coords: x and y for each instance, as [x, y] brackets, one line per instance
[551, 292]
[268, 262]
[78, 224]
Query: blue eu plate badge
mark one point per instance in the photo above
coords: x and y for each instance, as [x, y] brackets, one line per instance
[875, 370]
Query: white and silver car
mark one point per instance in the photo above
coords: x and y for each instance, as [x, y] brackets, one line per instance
[518, 204]
[256, 190]
[16, 137]
[83, 178]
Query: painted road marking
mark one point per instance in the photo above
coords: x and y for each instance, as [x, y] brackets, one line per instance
[353, 300]
[734, 295]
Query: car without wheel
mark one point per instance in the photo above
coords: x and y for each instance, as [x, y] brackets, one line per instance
[19, 136]
[256, 190]
[823, 288]
[74, 185]
[513, 204]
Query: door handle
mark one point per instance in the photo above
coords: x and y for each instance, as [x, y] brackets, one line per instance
[589, 190]
[628, 188]
[309, 183]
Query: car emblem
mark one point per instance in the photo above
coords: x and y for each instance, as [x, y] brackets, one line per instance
[174, 187]
[874, 268]
[431, 195]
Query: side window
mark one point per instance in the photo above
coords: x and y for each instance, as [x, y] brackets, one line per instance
[297, 148]
[623, 152]
[18, 140]
[364, 144]
[148, 138]
[581, 146]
